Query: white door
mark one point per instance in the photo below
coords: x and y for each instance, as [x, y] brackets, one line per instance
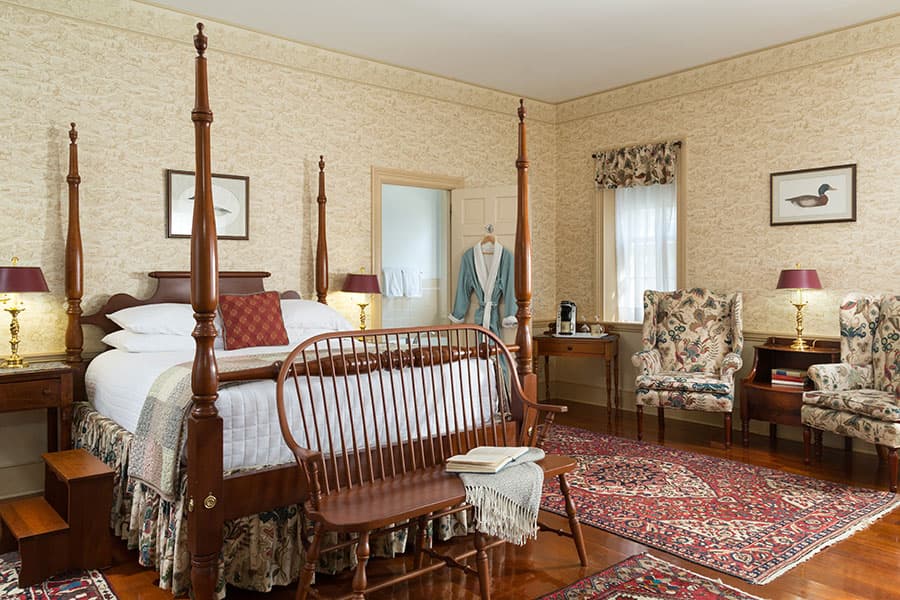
[471, 211]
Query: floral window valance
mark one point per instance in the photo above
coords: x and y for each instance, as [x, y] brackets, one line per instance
[638, 165]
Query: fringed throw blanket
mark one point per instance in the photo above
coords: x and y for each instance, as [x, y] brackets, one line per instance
[159, 437]
[506, 503]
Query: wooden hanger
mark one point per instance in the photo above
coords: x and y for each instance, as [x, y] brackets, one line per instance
[488, 239]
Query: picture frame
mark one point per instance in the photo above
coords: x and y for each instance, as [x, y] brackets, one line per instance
[231, 197]
[820, 195]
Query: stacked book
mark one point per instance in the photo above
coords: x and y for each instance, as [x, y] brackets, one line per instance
[789, 377]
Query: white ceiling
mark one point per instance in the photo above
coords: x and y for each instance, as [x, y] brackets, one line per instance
[551, 50]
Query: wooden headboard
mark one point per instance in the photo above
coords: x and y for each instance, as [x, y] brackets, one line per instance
[175, 286]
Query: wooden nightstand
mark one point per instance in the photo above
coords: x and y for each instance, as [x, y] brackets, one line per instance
[779, 405]
[45, 386]
[605, 348]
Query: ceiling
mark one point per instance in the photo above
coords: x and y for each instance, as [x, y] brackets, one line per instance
[551, 50]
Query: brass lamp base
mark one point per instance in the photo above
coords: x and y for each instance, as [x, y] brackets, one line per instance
[362, 315]
[799, 343]
[14, 361]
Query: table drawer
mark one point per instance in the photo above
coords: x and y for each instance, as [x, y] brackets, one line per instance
[25, 395]
[574, 347]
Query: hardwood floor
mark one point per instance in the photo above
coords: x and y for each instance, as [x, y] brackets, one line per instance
[865, 566]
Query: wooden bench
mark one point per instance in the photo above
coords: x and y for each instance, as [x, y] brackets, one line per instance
[371, 439]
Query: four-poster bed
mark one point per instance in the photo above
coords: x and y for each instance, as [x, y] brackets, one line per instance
[211, 497]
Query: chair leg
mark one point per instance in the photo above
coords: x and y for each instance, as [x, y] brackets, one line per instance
[484, 570]
[661, 422]
[892, 468]
[574, 524]
[640, 421]
[309, 567]
[807, 444]
[727, 430]
[362, 557]
[882, 451]
[819, 444]
[421, 524]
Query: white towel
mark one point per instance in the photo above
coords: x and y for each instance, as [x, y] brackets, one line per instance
[412, 282]
[393, 282]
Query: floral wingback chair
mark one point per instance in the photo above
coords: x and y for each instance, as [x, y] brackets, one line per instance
[860, 396]
[692, 342]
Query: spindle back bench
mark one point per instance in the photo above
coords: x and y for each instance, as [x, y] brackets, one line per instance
[425, 393]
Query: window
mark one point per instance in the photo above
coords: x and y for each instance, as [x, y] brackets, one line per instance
[638, 244]
[646, 249]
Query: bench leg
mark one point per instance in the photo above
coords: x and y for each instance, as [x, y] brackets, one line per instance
[309, 567]
[484, 570]
[421, 531]
[574, 524]
[640, 421]
[362, 557]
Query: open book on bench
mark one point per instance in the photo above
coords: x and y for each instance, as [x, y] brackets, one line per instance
[485, 459]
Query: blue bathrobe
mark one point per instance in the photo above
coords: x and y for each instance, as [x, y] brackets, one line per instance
[478, 273]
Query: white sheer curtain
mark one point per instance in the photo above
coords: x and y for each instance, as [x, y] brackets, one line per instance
[646, 231]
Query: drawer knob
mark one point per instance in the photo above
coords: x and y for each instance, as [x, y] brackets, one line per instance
[569, 348]
[47, 391]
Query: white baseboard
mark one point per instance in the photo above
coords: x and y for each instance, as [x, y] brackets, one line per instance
[21, 480]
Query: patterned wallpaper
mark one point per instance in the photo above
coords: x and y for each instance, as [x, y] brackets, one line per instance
[829, 100]
[124, 72]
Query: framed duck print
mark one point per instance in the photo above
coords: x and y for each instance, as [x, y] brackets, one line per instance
[823, 195]
[231, 198]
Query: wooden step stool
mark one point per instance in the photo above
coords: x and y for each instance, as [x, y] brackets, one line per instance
[69, 527]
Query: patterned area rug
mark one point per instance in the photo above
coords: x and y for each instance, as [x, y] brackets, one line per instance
[644, 577]
[743, 520]
[79, 585]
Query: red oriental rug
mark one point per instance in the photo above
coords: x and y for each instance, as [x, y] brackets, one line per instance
[78, 585]
[747, 521]
[646, 577]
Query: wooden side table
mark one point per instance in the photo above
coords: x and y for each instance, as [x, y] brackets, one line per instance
[778, 404]
[44, 386]
[605, 348]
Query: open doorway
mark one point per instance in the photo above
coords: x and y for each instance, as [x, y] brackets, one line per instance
[410, 247]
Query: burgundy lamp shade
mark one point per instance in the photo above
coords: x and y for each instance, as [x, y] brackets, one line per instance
[22, 279]
[799, 279]
[361, 283]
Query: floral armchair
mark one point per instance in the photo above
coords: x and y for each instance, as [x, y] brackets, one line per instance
[692, 342]
[860, 396]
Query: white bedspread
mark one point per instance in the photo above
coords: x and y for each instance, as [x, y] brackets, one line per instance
[117, 384]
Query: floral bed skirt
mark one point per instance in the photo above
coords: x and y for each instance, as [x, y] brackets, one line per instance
[258, 552]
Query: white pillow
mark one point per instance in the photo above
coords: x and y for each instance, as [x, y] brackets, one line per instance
[130, 341]
[307, 314]
[165, 318]
[296, 335]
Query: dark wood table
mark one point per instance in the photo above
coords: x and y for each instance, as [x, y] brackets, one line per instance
[41, 386]
[605, 348]
[778, 404]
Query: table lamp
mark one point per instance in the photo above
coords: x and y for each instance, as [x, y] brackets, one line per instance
[799, 279]
[361, 283]
[16, 280]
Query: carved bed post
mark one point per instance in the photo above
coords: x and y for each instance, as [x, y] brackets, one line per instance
[321, 243]
[204, 444]
[74, 270]
[523, 269]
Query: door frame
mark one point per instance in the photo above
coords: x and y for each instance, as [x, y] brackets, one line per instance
[385, 175]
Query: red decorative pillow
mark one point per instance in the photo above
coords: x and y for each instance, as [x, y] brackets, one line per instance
[252, 320]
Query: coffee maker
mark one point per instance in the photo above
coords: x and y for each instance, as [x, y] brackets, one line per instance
[565, 318]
